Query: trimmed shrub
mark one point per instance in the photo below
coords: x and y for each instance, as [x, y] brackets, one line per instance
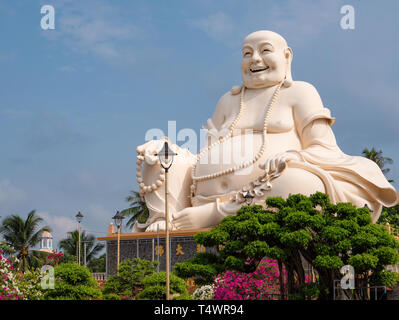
[73, 282]
[155, 286]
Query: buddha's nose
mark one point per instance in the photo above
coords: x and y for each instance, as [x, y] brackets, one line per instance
[256, 57]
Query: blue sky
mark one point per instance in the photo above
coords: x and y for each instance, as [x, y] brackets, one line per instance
[76, 101]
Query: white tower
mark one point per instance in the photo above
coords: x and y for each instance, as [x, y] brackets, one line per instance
[46, 243]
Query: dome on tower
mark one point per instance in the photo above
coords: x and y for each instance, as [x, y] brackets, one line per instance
[46, 234]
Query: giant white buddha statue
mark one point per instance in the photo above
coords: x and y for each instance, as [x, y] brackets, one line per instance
[271, 136]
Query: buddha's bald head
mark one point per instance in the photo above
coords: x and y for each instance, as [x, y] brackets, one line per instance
[266, 34]
[266, 59]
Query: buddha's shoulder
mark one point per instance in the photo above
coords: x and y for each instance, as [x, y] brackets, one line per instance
[230, 96]
[301, 89]
[304, 98]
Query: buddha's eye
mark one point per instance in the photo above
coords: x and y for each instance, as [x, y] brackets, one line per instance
[247, 54]
[266, 50]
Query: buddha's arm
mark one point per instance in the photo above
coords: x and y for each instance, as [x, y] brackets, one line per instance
[313, 125]
[313, 122]
[318, 136]
[223, 114]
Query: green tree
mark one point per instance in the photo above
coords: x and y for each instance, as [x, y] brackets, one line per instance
[67, 258]
[390, 215]
[73, 282]
[70, 245]
[137, 210]
[377, 157]
[22, 235]
[129, 279]
[97, 264]
[328, 236]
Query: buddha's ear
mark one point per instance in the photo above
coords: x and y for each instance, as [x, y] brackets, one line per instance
[288, 76]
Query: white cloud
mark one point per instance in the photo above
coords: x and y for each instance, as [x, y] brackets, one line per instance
[10, 194]
[60, 226]
[93, 28]
[303, 20]
[218, 26]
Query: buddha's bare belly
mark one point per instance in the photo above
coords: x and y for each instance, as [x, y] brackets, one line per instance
[235, 151]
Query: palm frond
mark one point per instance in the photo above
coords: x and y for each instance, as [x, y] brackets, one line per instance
[138, 210]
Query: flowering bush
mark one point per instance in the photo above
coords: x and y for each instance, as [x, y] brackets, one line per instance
[14, 285]
[54, 258]
[204, 292]
[261, 284]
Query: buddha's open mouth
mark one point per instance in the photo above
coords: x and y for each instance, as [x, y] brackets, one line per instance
[259, 69]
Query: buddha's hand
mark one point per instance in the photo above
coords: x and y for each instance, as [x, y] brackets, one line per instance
[150, 150]
[196, 217]
[276, 164]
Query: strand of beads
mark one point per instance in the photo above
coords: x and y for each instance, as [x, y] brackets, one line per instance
[229, 135]
[219, 141]
[147, 188]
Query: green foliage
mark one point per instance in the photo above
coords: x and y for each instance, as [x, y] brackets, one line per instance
[384, 278]
[74, 274]
[97, 264]
[203, 267]
[327, 235]
[137, 211]
[390, 215]
[310, 290]
[71, 242]
[22, 235]
[65, 291]
[156, 292]
[73, 282]
[7, 249]
[155, 286]
[328, 262]
[183, 297]
[111, 296]
[129, 280]
[67, 258]
[363, 262]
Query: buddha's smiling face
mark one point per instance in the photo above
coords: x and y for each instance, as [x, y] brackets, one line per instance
[264, 59]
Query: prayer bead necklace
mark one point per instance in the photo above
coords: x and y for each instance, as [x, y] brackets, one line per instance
[229, 136]
[147, 188]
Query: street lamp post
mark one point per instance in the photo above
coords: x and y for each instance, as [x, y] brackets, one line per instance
[79, 218]
[118, 222]
[166, 156]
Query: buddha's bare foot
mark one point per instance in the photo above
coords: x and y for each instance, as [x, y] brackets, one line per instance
[196, 217]
[153, 227]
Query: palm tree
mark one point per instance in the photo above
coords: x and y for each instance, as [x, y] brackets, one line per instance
[377, 157]
[138, 209]
[22, 236]
[70, 245]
